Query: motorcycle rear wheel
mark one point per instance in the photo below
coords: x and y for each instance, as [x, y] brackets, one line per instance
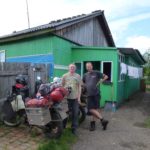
[55, 128]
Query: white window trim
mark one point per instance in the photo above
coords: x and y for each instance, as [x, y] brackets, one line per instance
[61, 67]
[102, 64]
[120, 61]
[81, 67]
[3, 51]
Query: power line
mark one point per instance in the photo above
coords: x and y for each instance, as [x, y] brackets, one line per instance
[28, 14]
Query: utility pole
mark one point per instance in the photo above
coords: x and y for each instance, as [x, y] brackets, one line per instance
[28, 14]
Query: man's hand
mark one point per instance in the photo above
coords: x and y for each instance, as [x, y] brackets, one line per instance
[99, 82]
[79, 101]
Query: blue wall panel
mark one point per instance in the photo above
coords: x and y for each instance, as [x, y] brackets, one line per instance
[48, 59]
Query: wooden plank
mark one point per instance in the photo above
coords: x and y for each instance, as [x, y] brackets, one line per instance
[9, 71]
[12, 73]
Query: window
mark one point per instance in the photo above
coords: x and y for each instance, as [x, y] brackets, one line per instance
[107, 69]
[2, 56]
[121, 77]
[96, 65]
[79, 68]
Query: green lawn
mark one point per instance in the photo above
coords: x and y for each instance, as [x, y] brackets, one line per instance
[63, 143]
[147, 82]
[147, 123]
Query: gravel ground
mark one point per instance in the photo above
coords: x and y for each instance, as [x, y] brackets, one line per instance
[125, 130]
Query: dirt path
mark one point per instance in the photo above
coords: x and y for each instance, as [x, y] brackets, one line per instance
[125, 131]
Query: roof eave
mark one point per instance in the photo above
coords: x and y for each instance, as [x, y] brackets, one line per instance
[134, 53]
[26, 35]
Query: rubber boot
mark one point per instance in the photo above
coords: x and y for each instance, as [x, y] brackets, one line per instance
[104, 124]
[92, 126]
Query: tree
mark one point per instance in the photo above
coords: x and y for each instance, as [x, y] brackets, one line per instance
[146, 56]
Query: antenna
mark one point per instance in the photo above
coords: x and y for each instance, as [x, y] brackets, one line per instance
[28, 14]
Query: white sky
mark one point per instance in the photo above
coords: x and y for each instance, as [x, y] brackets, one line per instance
[120, 14]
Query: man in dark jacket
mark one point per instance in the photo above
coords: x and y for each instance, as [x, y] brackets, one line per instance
[92, 80]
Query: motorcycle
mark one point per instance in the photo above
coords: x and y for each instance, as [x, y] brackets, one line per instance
[82, 106]
[45, 110]
[13, 109]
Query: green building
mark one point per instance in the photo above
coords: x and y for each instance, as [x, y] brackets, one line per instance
[78, 40]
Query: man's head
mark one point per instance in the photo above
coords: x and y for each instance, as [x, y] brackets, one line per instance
[72, 68]
[89, 66]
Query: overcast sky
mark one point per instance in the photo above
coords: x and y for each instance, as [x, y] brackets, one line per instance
[128, 20]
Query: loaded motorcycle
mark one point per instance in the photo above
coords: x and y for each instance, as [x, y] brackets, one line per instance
[44, 111]
[82, 105]
[13, 110]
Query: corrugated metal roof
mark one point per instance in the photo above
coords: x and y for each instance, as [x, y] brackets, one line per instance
[52, 24]
[61, 23]
[133, 52]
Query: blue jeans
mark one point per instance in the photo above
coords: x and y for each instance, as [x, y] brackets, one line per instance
[73, 107]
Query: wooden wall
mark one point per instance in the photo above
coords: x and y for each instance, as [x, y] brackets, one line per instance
[9, 71]
[87, 33]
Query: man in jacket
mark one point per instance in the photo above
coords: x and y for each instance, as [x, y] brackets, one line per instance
[73, 81]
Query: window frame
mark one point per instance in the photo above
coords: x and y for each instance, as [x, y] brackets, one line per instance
[102, 68]
[3, 51]
[81, 62]
[121, 77]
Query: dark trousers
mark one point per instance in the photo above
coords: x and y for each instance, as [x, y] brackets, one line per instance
[73, 107]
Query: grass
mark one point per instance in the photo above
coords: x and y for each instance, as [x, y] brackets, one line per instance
[147, 123]
[63, 143]
[147, 83]
[147, 89]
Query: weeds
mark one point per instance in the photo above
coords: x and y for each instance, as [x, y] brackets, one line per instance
[147, 123]
[63, 143]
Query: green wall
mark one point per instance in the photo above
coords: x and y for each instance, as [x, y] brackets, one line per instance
[58, 47]
[59, 72]
[62, 51]
[130, 85]
[81, 54]
[29, 46]
[65, 52]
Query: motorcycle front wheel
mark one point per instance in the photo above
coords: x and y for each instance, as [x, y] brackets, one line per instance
[15, 120]
[54, 129]
[9, 116]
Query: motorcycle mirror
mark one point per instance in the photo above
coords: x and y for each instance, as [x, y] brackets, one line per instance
[38, 78]
[57, 80]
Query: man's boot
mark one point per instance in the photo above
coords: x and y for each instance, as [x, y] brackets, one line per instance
[104, 124]
[92, 125]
